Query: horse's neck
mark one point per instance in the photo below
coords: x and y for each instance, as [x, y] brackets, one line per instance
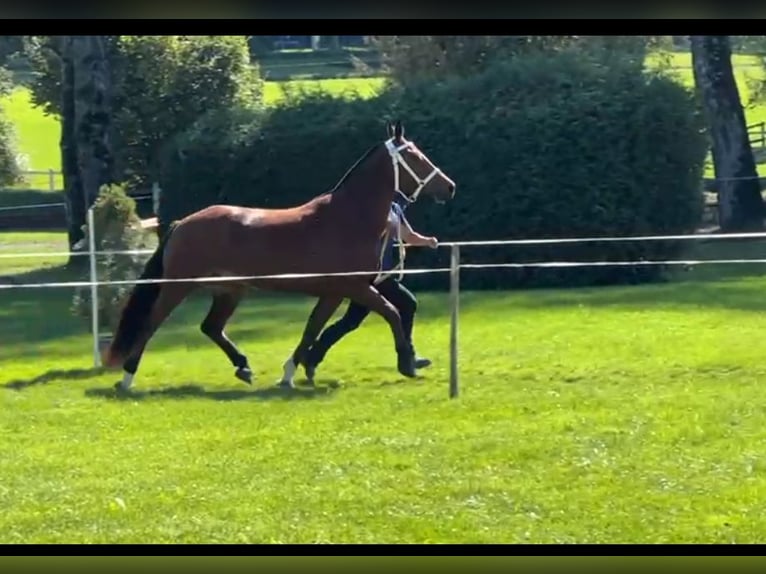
[367, 192]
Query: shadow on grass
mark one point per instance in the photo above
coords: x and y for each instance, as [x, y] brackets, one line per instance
[53, 375]
[194, 391]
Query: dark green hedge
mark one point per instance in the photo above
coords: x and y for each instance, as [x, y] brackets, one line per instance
[540, 147]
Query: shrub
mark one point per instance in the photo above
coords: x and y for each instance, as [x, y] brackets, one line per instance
[10, 169]
[117, 227]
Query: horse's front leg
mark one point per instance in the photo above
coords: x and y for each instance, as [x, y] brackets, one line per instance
[320, 314]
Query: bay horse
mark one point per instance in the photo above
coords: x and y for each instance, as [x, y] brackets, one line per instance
[333, 233]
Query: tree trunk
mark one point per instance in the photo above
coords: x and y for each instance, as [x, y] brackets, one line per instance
[740, 205]
[71, 174]
[92, 87]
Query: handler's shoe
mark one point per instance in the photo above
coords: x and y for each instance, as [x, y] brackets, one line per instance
[405, 362]
[422, 363]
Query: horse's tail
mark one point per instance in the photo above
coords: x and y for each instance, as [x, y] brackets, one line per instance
[135, 315]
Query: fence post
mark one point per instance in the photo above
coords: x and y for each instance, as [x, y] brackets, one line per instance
[51, 180]
[454, 306]
[156, 198]
[93, 289]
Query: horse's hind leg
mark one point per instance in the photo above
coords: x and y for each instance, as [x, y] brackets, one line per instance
[321, 313]
[223, 307]
[130, 367]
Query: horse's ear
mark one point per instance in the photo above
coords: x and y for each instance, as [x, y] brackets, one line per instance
[390, 129]
[398, 130]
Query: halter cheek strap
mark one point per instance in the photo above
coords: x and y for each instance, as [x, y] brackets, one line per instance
[397, 159]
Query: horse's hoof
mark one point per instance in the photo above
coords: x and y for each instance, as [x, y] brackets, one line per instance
[118, 388]
[285, 384]
[310, 373]
[245, 375]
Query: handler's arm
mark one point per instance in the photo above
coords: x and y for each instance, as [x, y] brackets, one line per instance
[412, 237]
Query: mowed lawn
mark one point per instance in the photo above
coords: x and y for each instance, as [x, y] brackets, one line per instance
[623, 415]
[37, 136]
[22, 251]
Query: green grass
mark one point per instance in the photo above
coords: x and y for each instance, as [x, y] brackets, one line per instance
[37, 137]
[350, 87]
[20, 242]
[596, 415]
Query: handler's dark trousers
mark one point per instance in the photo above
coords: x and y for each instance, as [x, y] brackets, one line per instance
[399, 296]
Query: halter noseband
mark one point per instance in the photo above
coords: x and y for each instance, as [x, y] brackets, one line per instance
[397, 159]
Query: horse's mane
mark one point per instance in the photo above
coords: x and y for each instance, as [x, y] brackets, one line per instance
[353, 167]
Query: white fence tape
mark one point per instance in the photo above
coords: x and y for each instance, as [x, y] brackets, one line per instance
[60, 204]
[35, 206]
[487, 243]
[234, 278]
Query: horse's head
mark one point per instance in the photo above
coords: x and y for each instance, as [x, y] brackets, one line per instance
[414, 173]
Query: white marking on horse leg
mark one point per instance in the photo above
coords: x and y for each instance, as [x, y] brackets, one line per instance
[127, 380]
[288, 374]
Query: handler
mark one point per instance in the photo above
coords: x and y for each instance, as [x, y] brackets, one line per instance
[386, 283]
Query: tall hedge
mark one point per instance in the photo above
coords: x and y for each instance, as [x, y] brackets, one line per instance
[541, 147]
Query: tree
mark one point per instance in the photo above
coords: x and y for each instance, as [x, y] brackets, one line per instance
[158, 85]
[75, 83]
[9, 167]
[92, 114]
[165, 83]
[10, 46]
[748, 44]
[740, 205]
[417, 58]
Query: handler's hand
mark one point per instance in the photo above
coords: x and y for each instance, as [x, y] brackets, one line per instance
[433, 243]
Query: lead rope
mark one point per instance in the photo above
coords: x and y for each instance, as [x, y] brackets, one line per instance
[402, 250]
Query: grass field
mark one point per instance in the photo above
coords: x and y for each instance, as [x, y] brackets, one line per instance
[350, 87]
[592, 415]
[31, 242]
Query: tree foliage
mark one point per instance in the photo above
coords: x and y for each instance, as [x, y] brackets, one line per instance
[10, 46]
[9, 165]
[116, 227]
[165, 83]
[10, 172]
[161, 85]
[417, 58]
